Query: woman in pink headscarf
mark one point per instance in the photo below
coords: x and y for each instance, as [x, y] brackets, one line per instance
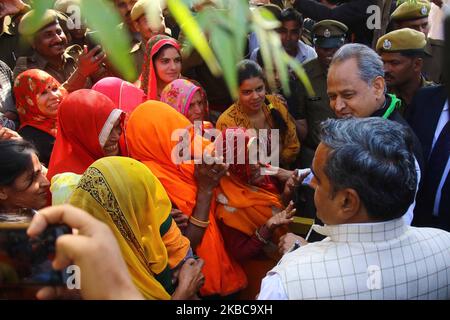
[187, 98]
[125, 95]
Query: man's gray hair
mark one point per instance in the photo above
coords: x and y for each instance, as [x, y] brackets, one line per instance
[373, 156]
[369, 62]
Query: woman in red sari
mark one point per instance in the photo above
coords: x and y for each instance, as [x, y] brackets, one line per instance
[90, 127]
[38, 96]
[162, 65]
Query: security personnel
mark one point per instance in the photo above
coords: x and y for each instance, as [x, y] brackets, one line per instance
[414, 15]
[76, 25]
[328, 36]
[70, 66]
[141, 24]
[402, 52]
[353, 13]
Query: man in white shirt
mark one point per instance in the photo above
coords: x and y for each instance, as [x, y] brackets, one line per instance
[364, 180]
[290, 33]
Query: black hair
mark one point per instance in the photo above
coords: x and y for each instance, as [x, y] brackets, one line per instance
[15, 159]
[248, 69]
[160, 51]
[373, 156]
[290, 14]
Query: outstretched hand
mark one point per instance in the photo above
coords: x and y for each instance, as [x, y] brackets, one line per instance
[282, 218]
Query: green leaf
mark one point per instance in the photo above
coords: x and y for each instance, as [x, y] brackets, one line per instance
[195, 34]
[222, 40]
[102, 16]
[238, 21]
[40, 7]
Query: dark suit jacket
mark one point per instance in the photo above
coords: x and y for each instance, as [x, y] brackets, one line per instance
[426, 109]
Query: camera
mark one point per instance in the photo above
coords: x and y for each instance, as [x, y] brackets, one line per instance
[92, 41]
[26, 262]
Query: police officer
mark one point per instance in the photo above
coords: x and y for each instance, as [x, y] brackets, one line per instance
[146, 30]
[69, 66]
[414, 15]
[328, 36]
[353, 13]
[402, 52]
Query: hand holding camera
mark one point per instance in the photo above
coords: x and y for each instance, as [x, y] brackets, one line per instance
[94, 250]
[90, 61]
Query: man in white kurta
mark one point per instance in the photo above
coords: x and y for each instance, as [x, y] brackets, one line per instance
[364, 179]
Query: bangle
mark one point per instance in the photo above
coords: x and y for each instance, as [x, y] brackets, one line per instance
[260, 238]
[198, 223]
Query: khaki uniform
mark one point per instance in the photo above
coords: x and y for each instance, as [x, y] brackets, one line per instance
[138, 53]
[433, 62]
[36, 61]
[325, 34]
[315, 109]
[404, 40]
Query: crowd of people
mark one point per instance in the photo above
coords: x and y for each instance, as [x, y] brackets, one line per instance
[211, 213]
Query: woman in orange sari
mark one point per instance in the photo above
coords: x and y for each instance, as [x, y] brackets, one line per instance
[190, 189]
[249, 210]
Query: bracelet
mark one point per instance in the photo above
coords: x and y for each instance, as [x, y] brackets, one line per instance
[260, 238]
[198, 223]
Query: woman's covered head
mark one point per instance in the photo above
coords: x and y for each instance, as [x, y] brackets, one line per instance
[187, 98]
[124, 194]
[162, 64]
[22, 181]
[38, 96]
[92, 120]
[89, 128]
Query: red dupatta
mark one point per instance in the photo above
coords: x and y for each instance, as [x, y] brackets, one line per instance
[85, 120]
[27, 87]
[148, 78]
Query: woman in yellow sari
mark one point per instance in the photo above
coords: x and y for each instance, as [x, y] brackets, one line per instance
[125, 195]
[190, 188]
[256, 110]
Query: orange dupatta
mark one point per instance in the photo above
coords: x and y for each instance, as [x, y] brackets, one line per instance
[243, 207]
[149, 132]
